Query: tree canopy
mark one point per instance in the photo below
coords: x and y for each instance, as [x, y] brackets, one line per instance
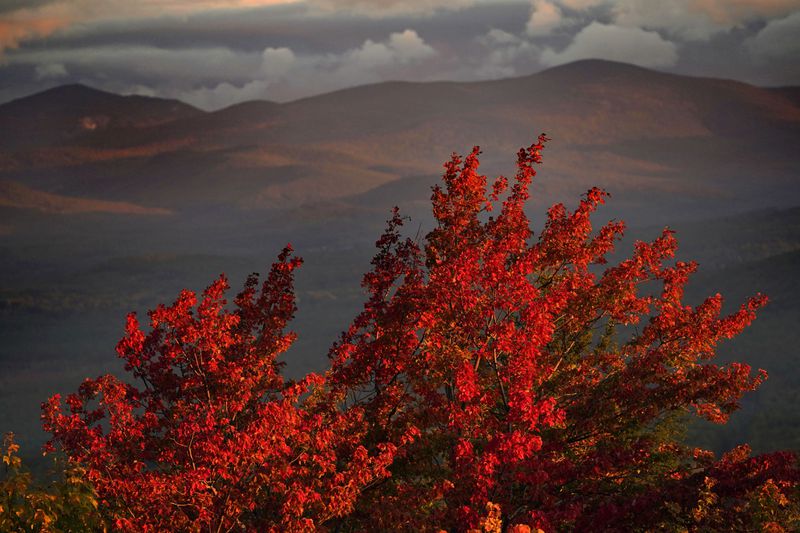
[496, 379]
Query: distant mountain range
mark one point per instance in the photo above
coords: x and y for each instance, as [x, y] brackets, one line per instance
[112, 203]
[695, 143]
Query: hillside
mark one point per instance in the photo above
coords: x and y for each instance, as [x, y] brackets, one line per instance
[19, 196]
[69, 113]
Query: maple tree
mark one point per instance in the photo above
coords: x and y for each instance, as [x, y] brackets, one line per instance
[215, 439]
[495, 380]
[502, 353]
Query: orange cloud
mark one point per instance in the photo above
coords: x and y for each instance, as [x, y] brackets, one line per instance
[27, 24]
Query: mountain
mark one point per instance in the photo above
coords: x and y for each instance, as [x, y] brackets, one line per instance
[696, 143]
[63, 114]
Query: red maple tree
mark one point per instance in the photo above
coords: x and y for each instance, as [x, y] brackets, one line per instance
[215, 439]
[503, 353]
[493, 381]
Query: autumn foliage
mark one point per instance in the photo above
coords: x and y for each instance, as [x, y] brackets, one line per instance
[215, 438]
[67, 503]
[495, 380]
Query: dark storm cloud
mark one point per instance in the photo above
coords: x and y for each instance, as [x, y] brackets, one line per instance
[212, 57]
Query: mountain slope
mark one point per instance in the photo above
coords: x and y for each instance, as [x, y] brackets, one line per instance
[22, 197]
[65, 113]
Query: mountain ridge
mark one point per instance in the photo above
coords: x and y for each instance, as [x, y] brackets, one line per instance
[61, 114]
[595, 66]
[82, 92]
[641, 131]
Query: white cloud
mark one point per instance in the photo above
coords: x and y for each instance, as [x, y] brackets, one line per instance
[178, 65]
[276, 62]
[224, 94]
[496, 36]
[285, 75]
[369, 63]
[691, 20]
[674, 17]
[545, 17]
[215, 77]
[628, 45]
[408, 46]
[400, 48]
[778, 39]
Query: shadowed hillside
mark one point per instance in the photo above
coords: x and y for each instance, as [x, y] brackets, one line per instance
[70, 113]
[21, 197]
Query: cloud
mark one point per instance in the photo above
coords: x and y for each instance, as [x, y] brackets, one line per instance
[408, 46]
[384, 8]
[697, 19]
[400, 48]
[507, 55]
[368, 63]
[284, 74]
[31, 23]
[496, 36]
[149, 63]
[223, 94]
[688, 20]
[732, 12]
[219, 76]
[545, 17]
[276, 62]
[578, 5]
[680, 18]
[778, 39]
[50, 71]
[215, 52]
[25, 24]
[605, 41]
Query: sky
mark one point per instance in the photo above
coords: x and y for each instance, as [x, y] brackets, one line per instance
[213, 53]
